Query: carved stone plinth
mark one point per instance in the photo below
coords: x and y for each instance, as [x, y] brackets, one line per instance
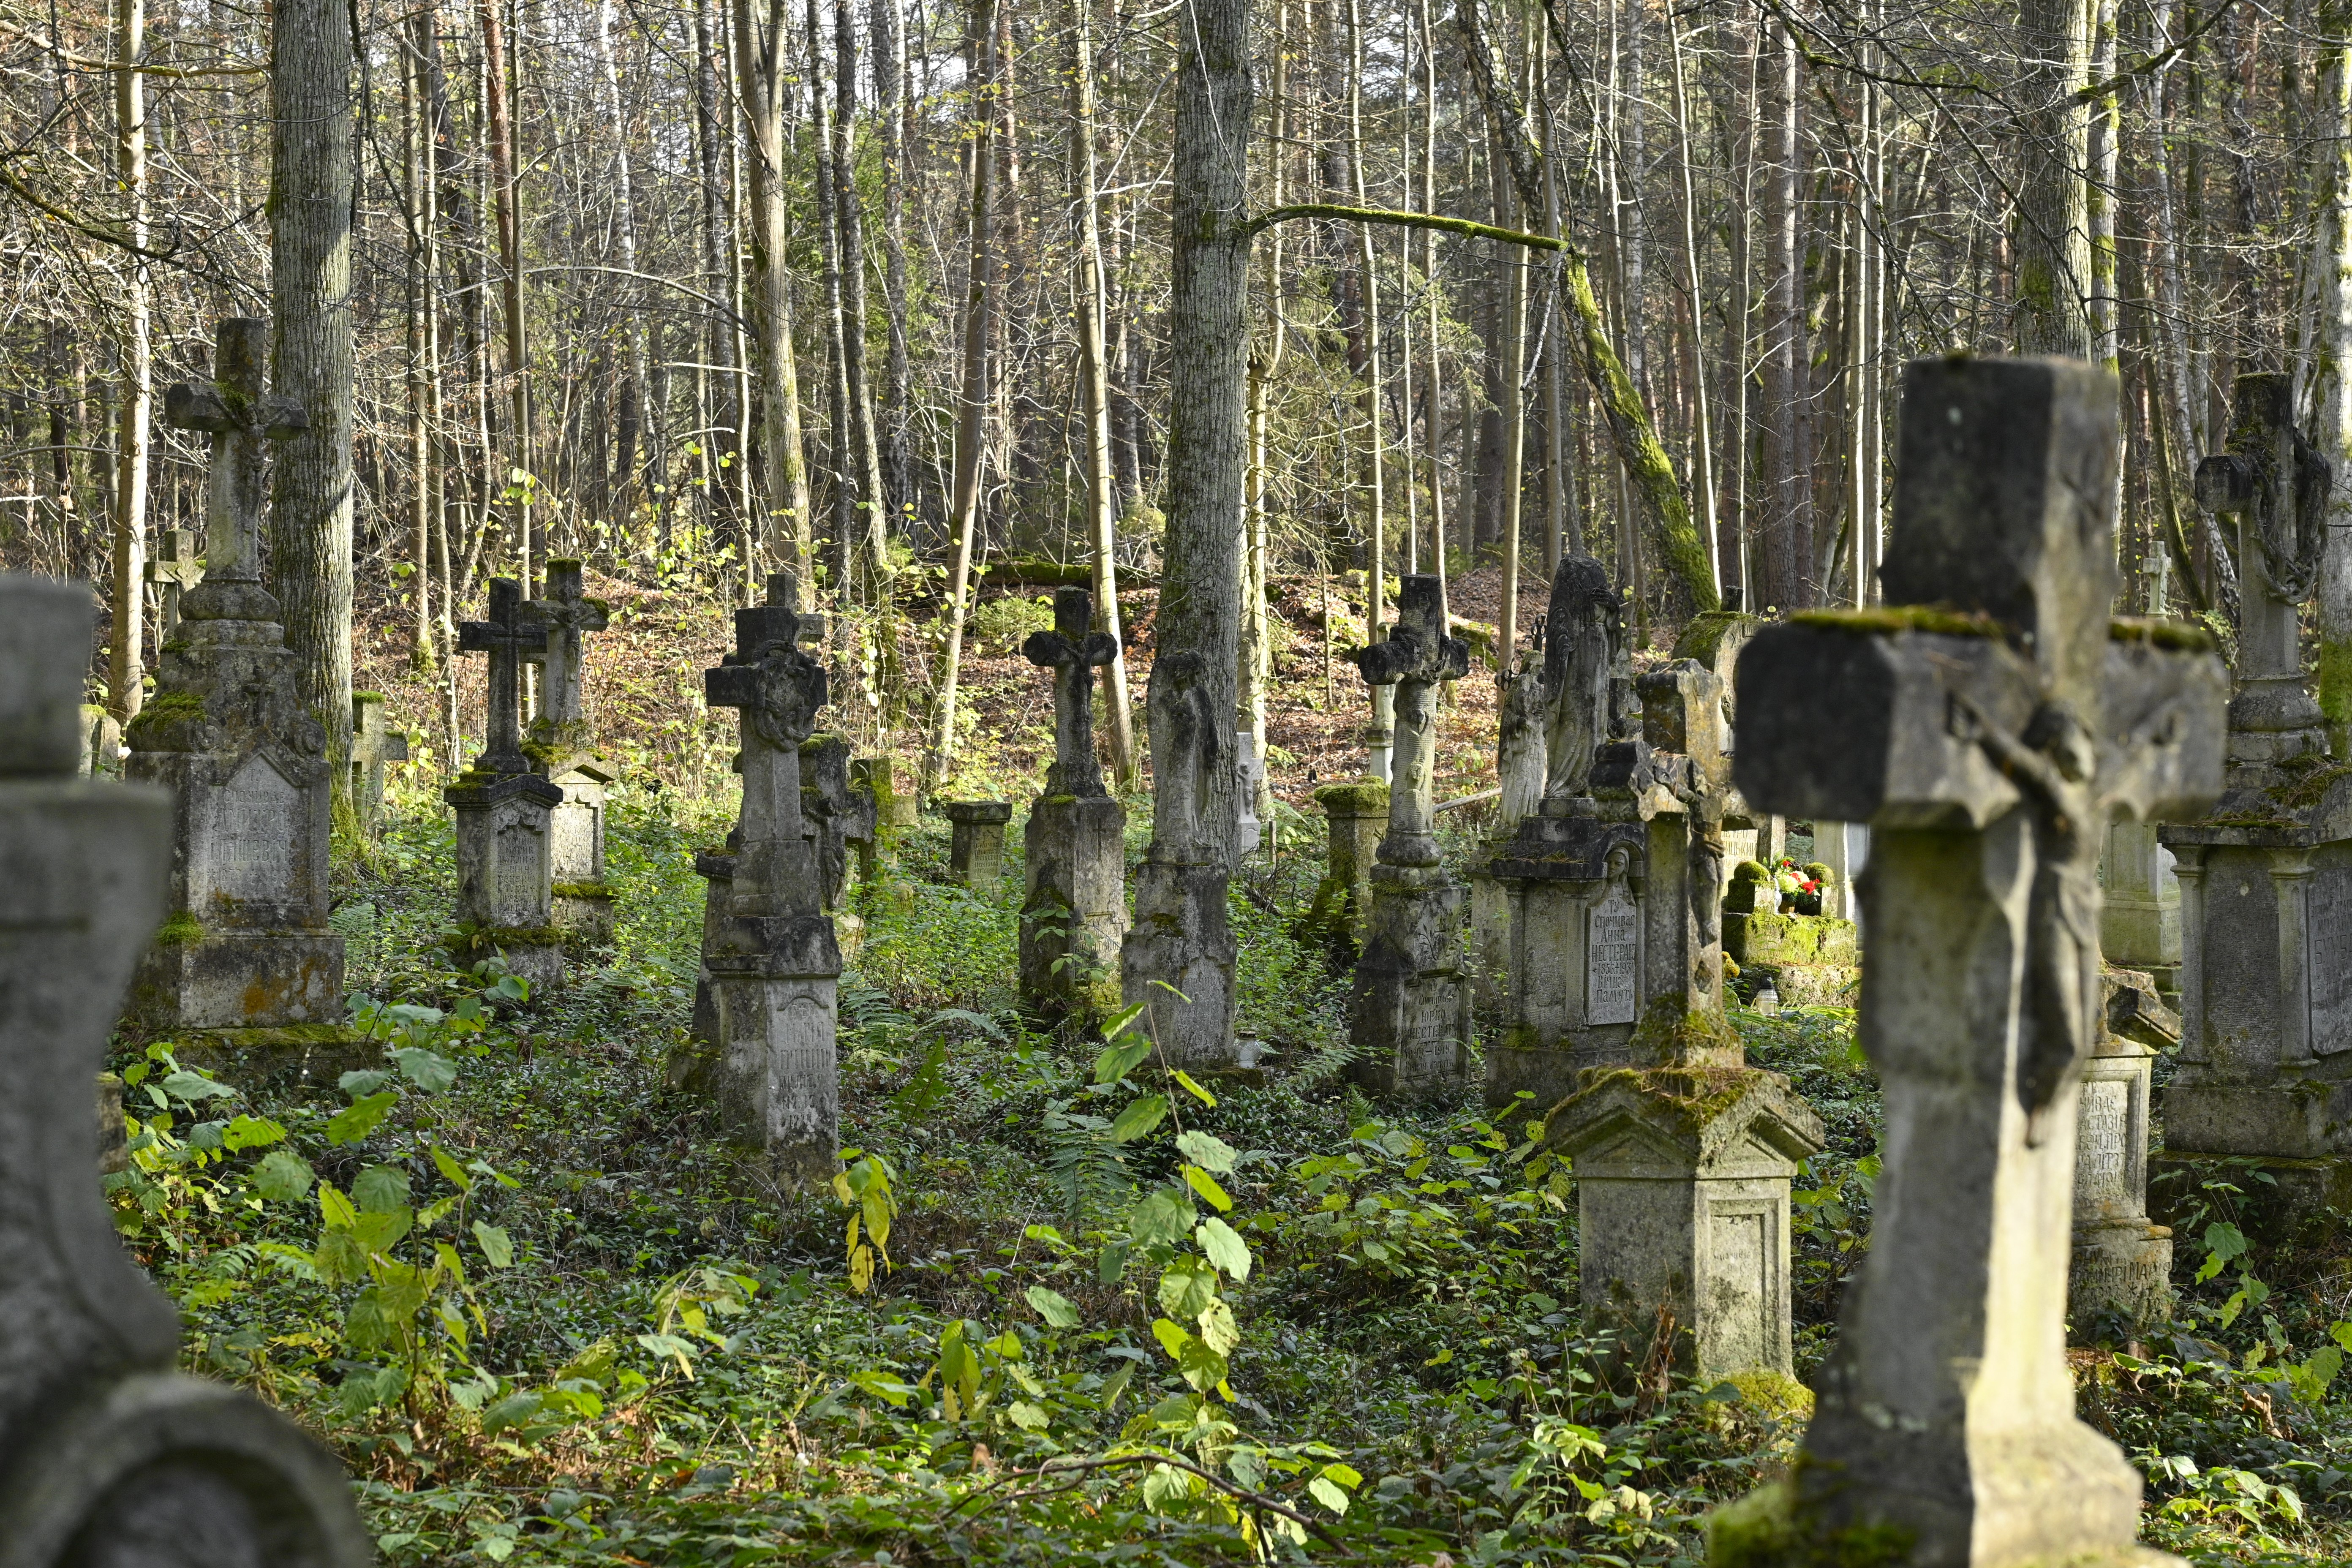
[1074, 912]
[976, 844]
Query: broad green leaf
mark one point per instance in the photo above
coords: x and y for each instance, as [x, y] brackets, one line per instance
[1117, 1061]
[451, 1171]
[1223, 1247]
[1185, 1288]
[1322, 1489]
[1111, 1262]
[282, 1177]
[1165, 1488]
[1164, 1216]
[336, 1209]
[194, 1085]
[495, 1244]
[512, 1411]
[251, 1132]
[1171, 1337]
[380, 1230]
[363, 1081]
[381, 1189]
[1208, 1150]
[1142, 1114]
[1026, 1416]
[428, 1071]
[1057, 1310]
[360, 1118]
[1206, 1185]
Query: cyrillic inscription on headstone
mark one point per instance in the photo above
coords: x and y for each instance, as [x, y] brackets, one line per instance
[1612, 935]
[2329, 961]
[519, 879]
[255, 833]
[2099, 1153]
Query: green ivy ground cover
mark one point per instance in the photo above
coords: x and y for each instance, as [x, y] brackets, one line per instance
[1107, 1314]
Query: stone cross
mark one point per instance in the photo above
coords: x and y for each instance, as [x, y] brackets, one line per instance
[374, 744]
[1584, 638]
[508, 636]
[566, 616]
[2275, 484]
[778, 690]
[1414, 658]
[108, 1453]
[1985, 740]
[1073, 652]
[174, 568]
[239, 415]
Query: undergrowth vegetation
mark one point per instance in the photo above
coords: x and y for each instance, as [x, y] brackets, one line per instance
[1063, 1305]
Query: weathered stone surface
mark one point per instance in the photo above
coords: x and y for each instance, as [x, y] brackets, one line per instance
[1812, 959]
[175, 567]
[774, 962]
[107, 1454]
[560, 746]
[101, 751]
[376, 745]
[2139, 909]
[505, 867]
[1986, 741]
[1409, 1005]
[1355, 816]
[1073, 903]
[2123, 1262]
[976, 842]
[1520, 770]
[247, 945]
[1177, 960]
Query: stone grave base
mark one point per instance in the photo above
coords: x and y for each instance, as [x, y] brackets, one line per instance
[1409, 1008]
[1814, 961]
[776, 1076]
[237, 980]
[1182, 937]
[2123, 1268]
[2298, 1191]
[1757, 1531]
[304, 1055]
[584, 910]
[1490, 946]
[2291, 1121]
[1074, 911]
[535, 954]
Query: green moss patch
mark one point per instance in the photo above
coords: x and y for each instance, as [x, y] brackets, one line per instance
[1882, 620]
[2182, 636]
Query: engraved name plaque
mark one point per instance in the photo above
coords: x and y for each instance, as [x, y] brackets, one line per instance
[1612, 935]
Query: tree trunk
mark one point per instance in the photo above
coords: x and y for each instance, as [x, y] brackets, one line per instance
[2053, 230]
[889, 83]
[2331, 393]
[310, 175]
[126, 661]
[789, 539]
[506, 192]
[1786, 535]
[873, 521]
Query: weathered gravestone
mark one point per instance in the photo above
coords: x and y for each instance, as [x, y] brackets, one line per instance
[976, 842]
[2123, 1262]
[375, 744]
[2267, 880]
[504, 807]
[102, 743]
[108, 1455]
[1074, 912]
[1683, 1153]
[836, 819]
[1985, 740]
[1714, 638]
[2139, 908]
[875, 779]
[560, 746]
[774, 962]
[1573, 868]
[1177, 961]
[174, 568]
[247, 949]
[1355, 815]
[1409, 1007]
[1519, 771]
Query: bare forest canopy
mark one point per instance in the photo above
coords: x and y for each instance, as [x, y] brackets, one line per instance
[694, 290]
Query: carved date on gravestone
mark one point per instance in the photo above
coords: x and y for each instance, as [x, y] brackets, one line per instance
[2329, 962]
[259, 816]
[1612, 935]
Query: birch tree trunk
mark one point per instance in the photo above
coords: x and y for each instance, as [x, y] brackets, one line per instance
[310, 175]
[1094, 387]
[789, 538]
[126, 660]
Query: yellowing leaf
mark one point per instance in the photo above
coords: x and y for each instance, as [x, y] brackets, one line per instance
[1223, 1247]
[1200, 1182]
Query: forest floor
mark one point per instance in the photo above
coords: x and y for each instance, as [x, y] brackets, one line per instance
[516, 1280]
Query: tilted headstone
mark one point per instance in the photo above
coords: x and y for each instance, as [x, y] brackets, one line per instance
[1987, 740]
[1409, 1007]
[505, 809]
[2123, 1262]
[2265, 882]
[1074, 911]
[375, 744]
[1356, 814]
[177, 566]
[1683, 1153]
[775, 964]
[560, 746]
[108, 1453]
[247, 947]
[1177, 960]
[976, 842]
[1574, 870]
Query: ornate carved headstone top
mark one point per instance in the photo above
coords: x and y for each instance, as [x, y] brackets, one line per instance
[566, 615]
[508, 636]
[239, 414]
[779, 691]
[1073, 651]
[1584, 637]
[106, 1455]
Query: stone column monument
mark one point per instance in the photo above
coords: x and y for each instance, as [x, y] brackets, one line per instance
[1177, 961]
[560, 745]
[2266, 881]
[1683, 1153]
[504, 806]
[1985, 740]
[248, 947]
[775, 963]
[374, 746]
[108, 1455]
[1409, 1007]
[976, 842]
[2123, 1262]
[1074, 912]
[1357, 815]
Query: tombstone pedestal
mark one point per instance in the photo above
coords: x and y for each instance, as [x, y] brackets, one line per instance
[1409, 1005]
[1356, 814]
[976, 846]
[582, 904]
[718, 874]
[2123, 1262]
[1074, 911]
[2140, 906]
[1574, 876]
[1182, 934]
[505, 888]
[108, 1455]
